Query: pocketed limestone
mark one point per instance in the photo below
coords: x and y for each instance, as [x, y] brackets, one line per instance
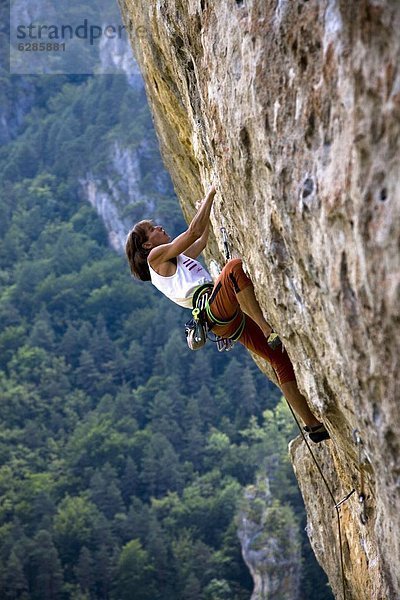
[294, 107]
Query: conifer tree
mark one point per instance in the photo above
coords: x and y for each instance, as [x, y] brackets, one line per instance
[48, 572]
[134, 574]
[42, 334]
[84, 571]
[105, 493]
[87, 374]
[16, 585]
[248, 393]
[129, 481]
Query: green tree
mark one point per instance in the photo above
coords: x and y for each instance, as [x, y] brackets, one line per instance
[28, 363]
[161, 471]
[16, 585]
[163, 417]
[248, 393]
[100, 345]
[138, 519]
[129, 481]
[193, 435]
[200, 372]
[193, 559]
[87, 374]
[70, 345]
[102, 571]
[230, 377]
[104, 491]
[134, 574]
[172, 358]
[84, 571]
[74, 526]
[209, 411]
[42, 334]
[48, 577]
[137, 370]
[217, 589]
[192, 589]
[11, 338]
[157, 545]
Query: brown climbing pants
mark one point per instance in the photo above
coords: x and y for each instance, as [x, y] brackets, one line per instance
[224, 305]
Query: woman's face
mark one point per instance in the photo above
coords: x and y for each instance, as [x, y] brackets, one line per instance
[156, 236]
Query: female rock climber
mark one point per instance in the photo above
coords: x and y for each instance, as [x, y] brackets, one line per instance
[171, 266]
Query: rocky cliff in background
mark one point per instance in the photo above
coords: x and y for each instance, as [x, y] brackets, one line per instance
[295, 107]
[133, 179]
[271, 551]
[118, 189]
[118, 195]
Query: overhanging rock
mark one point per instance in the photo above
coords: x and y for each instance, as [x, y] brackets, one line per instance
[295, 106]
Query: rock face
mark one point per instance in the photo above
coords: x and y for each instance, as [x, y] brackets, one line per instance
[295, 106]
[269, 535]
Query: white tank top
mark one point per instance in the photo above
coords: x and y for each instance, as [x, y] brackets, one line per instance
[180, 287]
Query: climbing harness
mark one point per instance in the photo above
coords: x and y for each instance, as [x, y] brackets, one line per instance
[198, 327]
[203, 320]
[362, 459]
[216, 321]
[336, 505]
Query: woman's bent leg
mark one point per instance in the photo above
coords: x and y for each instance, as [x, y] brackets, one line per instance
[249, 305]
[233, 293]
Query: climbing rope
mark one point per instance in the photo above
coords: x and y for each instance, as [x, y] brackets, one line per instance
[337, 505]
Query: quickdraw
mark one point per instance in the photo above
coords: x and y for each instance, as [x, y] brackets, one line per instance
[198, 327]
[225, 241]
[362, 461]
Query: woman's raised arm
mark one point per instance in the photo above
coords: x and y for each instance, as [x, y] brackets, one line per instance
[182, 242]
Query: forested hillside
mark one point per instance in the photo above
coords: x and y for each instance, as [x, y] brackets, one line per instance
[123, 455]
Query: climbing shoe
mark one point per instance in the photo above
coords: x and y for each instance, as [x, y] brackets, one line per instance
[317, 434]
[274, 341]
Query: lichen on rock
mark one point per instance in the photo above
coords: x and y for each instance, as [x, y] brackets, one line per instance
[295, 108]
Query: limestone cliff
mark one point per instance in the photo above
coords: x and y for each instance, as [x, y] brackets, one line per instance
[295, 106]
[270, 542]
[133, 179]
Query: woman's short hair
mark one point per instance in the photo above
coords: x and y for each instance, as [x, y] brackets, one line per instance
[136, 254]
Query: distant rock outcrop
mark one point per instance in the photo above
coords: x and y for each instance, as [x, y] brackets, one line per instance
[270, 540]
[296, 108]
[115, 191]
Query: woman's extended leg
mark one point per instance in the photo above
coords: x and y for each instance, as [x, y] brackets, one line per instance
[298, 403]
[254, 339]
